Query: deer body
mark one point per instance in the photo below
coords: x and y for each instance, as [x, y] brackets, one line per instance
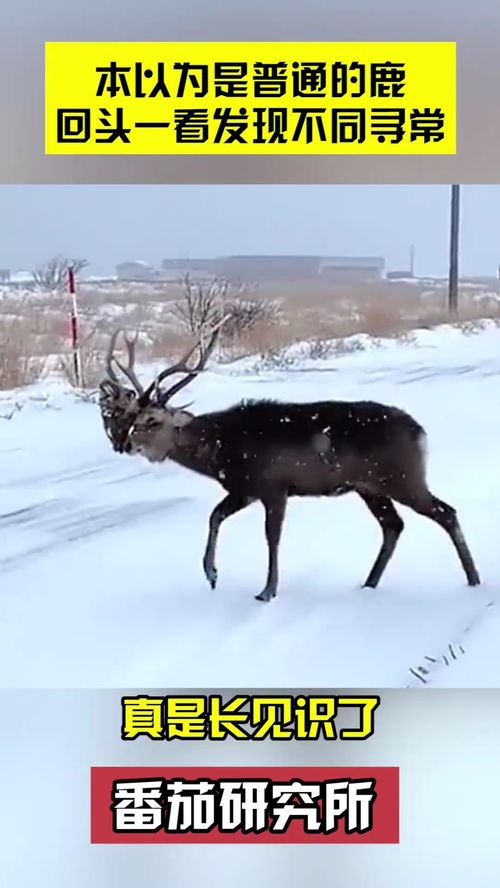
[315, 449]
[268, 451]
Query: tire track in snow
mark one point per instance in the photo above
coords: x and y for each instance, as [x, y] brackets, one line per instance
[405, 375]
[108, 472]
[68, 525]
[423, 674]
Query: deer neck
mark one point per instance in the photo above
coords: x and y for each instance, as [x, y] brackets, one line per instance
[193, 450]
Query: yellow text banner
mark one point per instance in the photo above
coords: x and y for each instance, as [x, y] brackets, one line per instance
[250, 98]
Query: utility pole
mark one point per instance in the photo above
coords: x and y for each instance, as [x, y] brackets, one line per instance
[412, 260]
[454, 243]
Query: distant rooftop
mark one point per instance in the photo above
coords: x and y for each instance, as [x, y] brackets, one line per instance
[269, 258]
[353, 262]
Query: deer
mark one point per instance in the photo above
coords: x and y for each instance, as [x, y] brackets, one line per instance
[269, 451]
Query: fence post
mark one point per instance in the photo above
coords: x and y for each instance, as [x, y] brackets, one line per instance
[74, 328]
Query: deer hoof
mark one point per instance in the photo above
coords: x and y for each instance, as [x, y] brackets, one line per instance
[211, 575]
[265, 595]
[473, 578]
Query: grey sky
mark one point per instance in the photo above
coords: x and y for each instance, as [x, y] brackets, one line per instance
[109, 223]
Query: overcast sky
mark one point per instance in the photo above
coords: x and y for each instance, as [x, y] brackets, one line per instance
[109, 223]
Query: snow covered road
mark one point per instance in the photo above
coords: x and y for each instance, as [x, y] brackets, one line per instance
[100, 554]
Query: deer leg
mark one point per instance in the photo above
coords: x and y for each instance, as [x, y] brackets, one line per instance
[228, 506]
[275, 513]
[446, 516]
[392, 526]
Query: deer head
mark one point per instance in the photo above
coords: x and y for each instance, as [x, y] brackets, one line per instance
[138, 420]
[118, 403]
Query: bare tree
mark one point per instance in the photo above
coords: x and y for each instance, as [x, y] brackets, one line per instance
[204, 304]
[201, 304]
[245, 314]
[53, 275]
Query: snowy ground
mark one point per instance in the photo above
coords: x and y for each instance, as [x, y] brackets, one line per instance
[100, 554]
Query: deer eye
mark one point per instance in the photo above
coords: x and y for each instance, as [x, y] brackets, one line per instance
[108, 412]
[153, 423]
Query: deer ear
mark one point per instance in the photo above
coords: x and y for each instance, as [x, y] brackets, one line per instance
[181, 418]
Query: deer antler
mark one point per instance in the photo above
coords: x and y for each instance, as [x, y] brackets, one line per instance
[181, 365]
[109, 358]
[127, 371]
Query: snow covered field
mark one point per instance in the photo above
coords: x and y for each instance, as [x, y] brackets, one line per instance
[100, 554]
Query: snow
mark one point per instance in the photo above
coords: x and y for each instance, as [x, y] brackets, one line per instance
[100, 555]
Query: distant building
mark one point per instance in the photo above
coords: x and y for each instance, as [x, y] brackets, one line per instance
[341, 269]
[352, 269]
[4, 275]
[174, 270]
[399, 275]
[136, 270]
[267, 268]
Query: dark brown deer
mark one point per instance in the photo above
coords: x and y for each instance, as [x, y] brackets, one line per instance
[269, 451]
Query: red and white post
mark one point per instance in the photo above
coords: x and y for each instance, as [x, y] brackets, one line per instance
[74, 327]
